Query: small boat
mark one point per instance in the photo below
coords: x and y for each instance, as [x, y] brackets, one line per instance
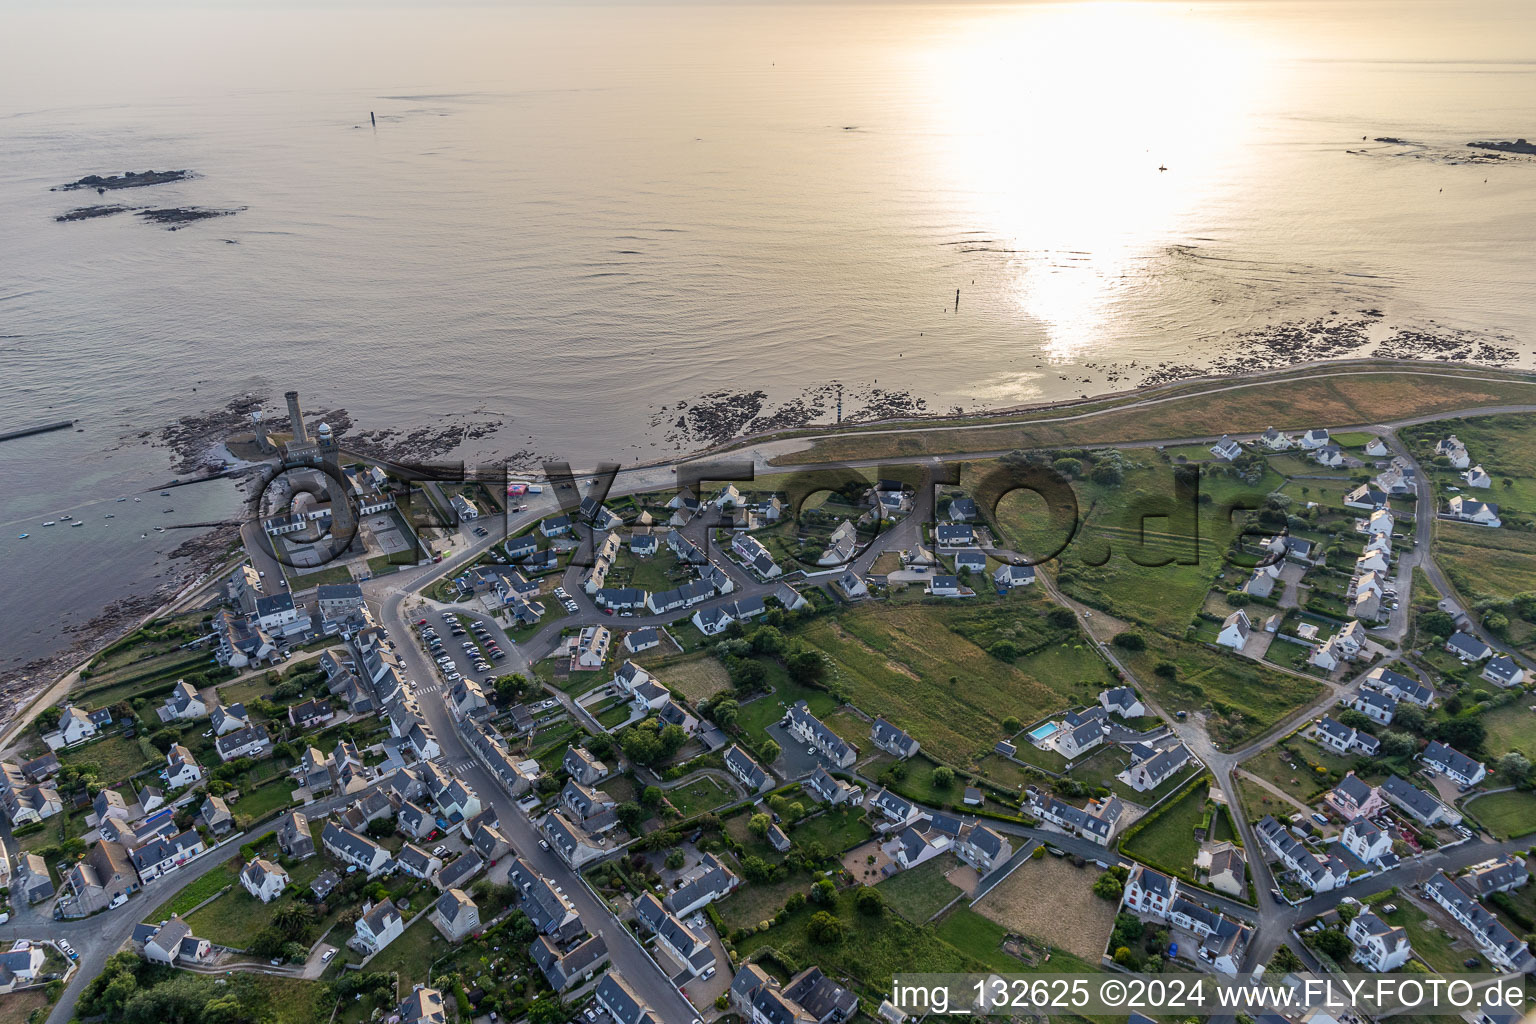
[123, 498]
[159, 529]
[77, 522]
[1162, 167]
[48, 523]
[23, 536]
[165, 494]
[167, 510]
[66, 517]
[111, 516]
[138, 499]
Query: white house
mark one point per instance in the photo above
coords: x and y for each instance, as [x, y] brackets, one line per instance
[1378, 945]
[1275, 440]
[1453, 764]
[1235, 630]
[1480, 513]
[183, 704]
[264, 880]
[1149, 892]
[75, 726]
[1314, 438]
[1122, 701]
[1452, 448]
[181, 768]
[1477, 476]
[1226, 449]
[380, 925]
[1365, 840]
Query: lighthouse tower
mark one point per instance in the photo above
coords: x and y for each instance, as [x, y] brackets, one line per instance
[342, 522]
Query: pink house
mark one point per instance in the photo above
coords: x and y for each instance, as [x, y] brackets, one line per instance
[1355, 799]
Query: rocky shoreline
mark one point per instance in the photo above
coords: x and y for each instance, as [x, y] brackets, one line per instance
[128, 179]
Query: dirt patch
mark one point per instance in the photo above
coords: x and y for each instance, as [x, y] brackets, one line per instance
[15, 1008]
[697, 678]
[1070, 918]
[965, 878]
[857, 862]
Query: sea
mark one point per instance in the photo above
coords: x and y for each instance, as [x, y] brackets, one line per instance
[617, 232]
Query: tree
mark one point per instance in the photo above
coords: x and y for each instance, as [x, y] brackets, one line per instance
[1398, 744]
[1130, 641]
[1108, 887]
[1409, 716]
[1069, 468]
[1166, 670]
[825, 929]
[630, 814]
[1285, 961]
[1437, 623]
[767, 640]
[1061, 618]
[651, 796]
[746, 675]
[724, 713]
[548, 1010]
[294, 918]
[1515, 768]
[1333, 944]
[1011, 725]
[1355, 719]
[1004, 650]
[823, 893]
[769, 751]
[805, 665]
[381, 828]
[759, 824]
[1465, 734]
[943, 777]
[868, 901]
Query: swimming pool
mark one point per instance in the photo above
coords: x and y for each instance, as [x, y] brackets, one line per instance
[1041, 732]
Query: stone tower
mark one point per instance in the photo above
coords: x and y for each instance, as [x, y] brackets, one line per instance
[342, 522]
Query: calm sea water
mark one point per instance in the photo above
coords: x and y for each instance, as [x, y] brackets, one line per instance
[569, 219]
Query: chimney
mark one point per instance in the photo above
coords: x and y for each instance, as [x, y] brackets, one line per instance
[297, 416]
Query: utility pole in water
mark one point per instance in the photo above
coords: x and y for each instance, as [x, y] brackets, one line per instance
[957, 300]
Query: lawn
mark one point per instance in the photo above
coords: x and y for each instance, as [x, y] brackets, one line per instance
[261, 801]
[919, 893]
[193, 894]
[837, 829]
[1486, 564]
[872, 950]
[905, 663]
[1511, 727]
[1245, 698]
[233, 919]
[1073, 918]
[1430, 943]
[1138, 553]
[1166, 838]
[116, 757]
[700, 795]
[698, 676]
[412, 953]
[752, 904]
[321, 577]
[1304, 782]
[756, 715]
[1507, 815]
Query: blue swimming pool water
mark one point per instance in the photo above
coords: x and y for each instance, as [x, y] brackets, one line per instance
[1040, 732]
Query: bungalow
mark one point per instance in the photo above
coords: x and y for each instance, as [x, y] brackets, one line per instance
[1353, 798]
[165, 854]
[894, 809]
[962, 510]
[252, 741]
[1399, 687]
[891, 739]
[1152, 771]
[228, 719]
[417, 862]
[945, 586]
[311, 713]
[1502, 671]
[778, 839]
[354, 849]
[1366, 840]
[555, 526]
[746, 770]
[1330, 456]
[1480, 513]
[807, 727]
[1467, 647]
[971, 560]
[1010, 576]
[172, 943]
[1477, 476]
[710, 880]
[455, 915]
[1224, 866]
[423, 1006]
[1453, 764]
[1235, 630]
[954, 535]
[1275, 441]
[264, 880]
[184, 704]
[75, 726]
[1367, 497]
[841, 545]
[1226, 449]
[1334, 734]
[379, 925]
[1378, 945]
[638, 640]
[1417, 804]
[1314, 438]
[830, 790]
[1122, 701]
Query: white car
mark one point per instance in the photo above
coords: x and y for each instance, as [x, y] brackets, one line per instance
[438, 851]
[325, 957]
[118, 901]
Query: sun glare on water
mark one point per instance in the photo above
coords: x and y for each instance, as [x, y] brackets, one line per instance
[1057, 122]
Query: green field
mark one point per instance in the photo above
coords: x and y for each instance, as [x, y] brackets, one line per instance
[1246, 699]
[262, 801]
[116, 757]
[1511, 727]
[919, 893]
[1112, 561]
[412, 953]
[700, 795]
[1430, 943]
[761, 712]
[836, 829]
[1507, 815]
[193, 894]
[1166, 838]
[948, 692]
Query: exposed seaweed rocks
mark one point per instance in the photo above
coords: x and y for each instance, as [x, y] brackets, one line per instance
[91, 213]
[128, 179]
[177, 217]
